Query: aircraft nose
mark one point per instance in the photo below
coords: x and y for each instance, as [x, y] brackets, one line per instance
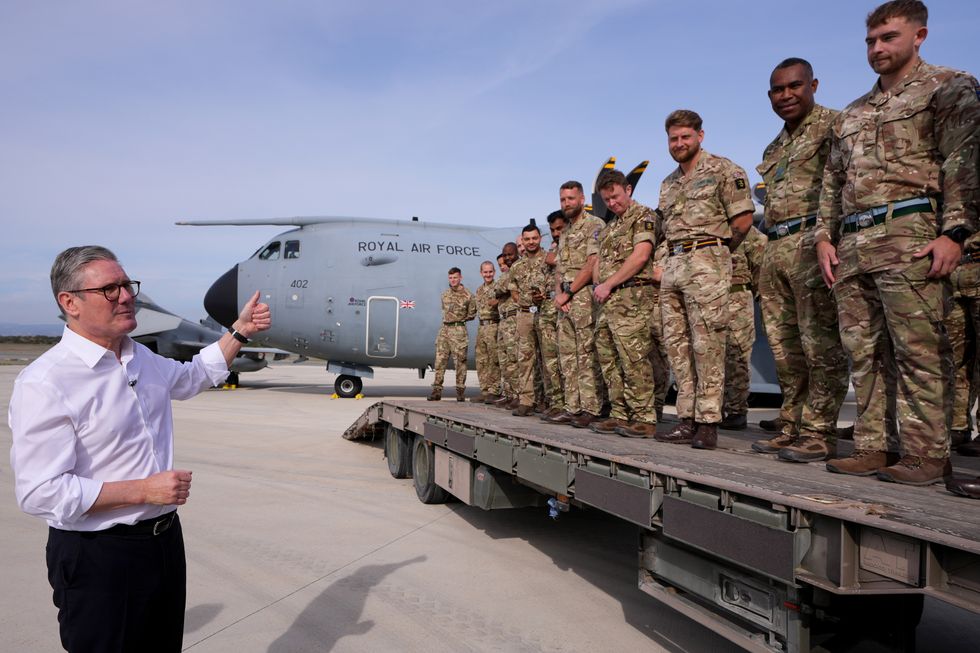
[221, 300]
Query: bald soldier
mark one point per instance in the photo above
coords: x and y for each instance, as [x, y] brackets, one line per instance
[798, 311]
[707, 210]
[899, 199]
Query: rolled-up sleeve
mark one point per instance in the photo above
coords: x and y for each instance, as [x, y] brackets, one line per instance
[43, 455]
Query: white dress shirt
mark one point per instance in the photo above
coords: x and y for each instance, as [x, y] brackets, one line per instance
[80, 418]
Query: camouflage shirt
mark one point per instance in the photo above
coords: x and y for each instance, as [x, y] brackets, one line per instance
[747, 259]
[458, 305]
[699, 205]
[501, 288]
[578, 242]
[918, 139]
[484, 294]
[792, 167]
[639, 224]
[530, 273]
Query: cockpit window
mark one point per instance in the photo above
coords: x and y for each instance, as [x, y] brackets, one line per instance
[292, 249]
[271, 252]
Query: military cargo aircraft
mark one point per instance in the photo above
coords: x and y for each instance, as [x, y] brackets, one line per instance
[362, 293]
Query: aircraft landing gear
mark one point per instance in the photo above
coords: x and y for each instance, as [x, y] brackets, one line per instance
[348, 386]
[232, 380]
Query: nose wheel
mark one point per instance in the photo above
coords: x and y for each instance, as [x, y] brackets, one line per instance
[348, 386]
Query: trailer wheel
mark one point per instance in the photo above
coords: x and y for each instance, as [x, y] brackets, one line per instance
[424, 472]
[398, 451]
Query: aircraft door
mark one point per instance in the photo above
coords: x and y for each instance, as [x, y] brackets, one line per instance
[382, 327]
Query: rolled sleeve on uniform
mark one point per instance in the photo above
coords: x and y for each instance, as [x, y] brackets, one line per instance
[736, 195]
[43, 455]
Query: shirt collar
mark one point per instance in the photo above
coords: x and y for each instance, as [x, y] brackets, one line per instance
[89, 352]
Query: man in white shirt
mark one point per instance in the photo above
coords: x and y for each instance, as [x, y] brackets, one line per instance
[92, 454]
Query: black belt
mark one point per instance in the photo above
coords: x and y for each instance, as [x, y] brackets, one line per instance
[145, 528]
[454, 323]
[876, 215]
[504, 316]
[635, 283]
[486, 322]
[528, 309]
[739, 287]
[784, 229]
[684, 246]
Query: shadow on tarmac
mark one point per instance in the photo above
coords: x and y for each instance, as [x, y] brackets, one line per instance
[200, 616]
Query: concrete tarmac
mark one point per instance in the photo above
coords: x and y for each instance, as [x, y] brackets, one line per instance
[298, 540]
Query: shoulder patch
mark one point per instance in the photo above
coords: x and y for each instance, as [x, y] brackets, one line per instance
[740, 183]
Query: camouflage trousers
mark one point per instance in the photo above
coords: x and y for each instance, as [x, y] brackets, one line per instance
[800, 320]
[658, 353]
[487, 362]
[452, 341]
[576, 347]
[547, 327]
[738, 352]
[623, 345]
[528, 353]
[962, 326]
[507, 355]
[694, 300]
[904, 308]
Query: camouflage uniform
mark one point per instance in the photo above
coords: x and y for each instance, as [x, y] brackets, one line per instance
[487, 363]
[798, 311]
[547, 328]
[962, 324]
[746, 261]
[458, 307]
[696, 282]
[622, 339]
[916, 142]
[528, 275]
[658, 352]
[576, 328]
[506, 337]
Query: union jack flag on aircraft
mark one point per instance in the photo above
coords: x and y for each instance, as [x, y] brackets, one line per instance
[407, 303]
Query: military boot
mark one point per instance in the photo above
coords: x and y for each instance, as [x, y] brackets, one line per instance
[582, 420]
[958, 437]
[971, 448]
[490, 398]
[773, 445]
[734, 422]
[460, 394]
[435, 395]
[965, 487]
[522, 411]
[706, 437]
[863, 462]
[637, 430]
[807, 449]
[683, 433]
[608, 425]
[563, 417]
[772, 425]
[502, 402]
[916, 470]
[514, 404]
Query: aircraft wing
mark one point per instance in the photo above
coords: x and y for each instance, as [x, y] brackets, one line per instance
[150, 321]
[298, 221]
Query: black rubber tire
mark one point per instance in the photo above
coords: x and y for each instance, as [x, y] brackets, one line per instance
[398, 451]
[232, 378]
[348, 386]
[424, 473]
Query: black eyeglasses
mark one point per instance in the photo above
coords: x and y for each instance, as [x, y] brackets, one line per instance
[111, 291]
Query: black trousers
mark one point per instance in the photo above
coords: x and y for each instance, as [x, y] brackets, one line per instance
[119, 593]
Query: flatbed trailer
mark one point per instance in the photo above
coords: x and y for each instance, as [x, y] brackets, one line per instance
[773, 556]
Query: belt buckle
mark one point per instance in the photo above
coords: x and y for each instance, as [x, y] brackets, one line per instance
[865, 219]
[532, 309]
[782, 230]
[161, 525]
[678, 248]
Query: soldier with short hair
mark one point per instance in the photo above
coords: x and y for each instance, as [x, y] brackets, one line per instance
[507, 331]
[798, 311]
[899, 199]
[528, 281]
[624, 291]
[576, 255]
[707, 210]
[487, 362]
[458, 308]
[547, 324]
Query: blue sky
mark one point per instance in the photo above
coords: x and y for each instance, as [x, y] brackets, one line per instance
[119, 118]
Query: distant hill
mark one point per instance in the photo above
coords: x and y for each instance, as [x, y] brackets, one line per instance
[11, 329]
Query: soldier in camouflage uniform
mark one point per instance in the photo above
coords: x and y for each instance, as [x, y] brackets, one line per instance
[707, 210]
[458, 308]
[547, 325]
[658, 352]
[487, 362]
[528, 282]
[899, 198]
[962, 326]
[624, 291]
[798, 310]
[746, 261]
[507, 331]
[577, 250]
